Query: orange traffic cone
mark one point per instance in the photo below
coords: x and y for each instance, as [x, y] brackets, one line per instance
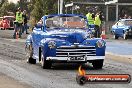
[17, 35]
[103, 36]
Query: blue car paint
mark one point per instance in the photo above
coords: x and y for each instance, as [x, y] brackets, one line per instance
[41, 38]
[120, 30]
[92, 42]
[99, 51]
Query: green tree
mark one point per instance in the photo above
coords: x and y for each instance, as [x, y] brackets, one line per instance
[7, 8]
[23, 4]
[41, 7]
[2, 1]
[31, 5]
[38, 11]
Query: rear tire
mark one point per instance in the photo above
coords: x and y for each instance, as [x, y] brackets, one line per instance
[31, 61]
[98, 64]
[29, 54]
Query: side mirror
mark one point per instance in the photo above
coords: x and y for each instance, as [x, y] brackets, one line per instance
[117, 24]
[38, 25]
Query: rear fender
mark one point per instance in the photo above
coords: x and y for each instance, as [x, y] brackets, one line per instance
[28, 44]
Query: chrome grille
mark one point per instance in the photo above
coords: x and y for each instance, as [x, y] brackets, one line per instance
[75, 51]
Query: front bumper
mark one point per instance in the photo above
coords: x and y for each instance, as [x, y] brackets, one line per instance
[77, 59]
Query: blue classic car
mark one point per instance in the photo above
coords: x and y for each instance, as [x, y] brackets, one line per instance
[123, 28]
[64, 38]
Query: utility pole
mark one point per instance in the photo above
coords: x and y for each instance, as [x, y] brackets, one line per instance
[107, 12]
[61, 6]
[117, 8]
[58, 6]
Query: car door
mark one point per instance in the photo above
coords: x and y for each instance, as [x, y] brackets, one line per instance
[36, 37]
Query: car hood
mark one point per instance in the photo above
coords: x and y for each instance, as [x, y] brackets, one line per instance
[70, 35]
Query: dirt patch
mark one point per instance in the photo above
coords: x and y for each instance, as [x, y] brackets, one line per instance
[120, 58]
[8, 82]
[9, 34]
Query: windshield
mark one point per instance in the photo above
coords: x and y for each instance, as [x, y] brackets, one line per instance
[66, 22]
[128, 22]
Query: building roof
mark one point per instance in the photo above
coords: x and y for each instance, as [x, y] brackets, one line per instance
[125, 19]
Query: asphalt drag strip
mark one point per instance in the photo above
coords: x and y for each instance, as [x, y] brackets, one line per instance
[13, 64]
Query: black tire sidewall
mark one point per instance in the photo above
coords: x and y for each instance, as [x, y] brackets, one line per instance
[98, 64]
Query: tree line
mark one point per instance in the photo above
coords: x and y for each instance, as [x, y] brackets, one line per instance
[37, 8]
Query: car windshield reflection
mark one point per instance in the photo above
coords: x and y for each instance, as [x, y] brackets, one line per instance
[73, 22]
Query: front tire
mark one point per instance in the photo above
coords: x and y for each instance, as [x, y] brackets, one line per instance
[125, 36]
[45, 63]
[115, 36]
[98, 64]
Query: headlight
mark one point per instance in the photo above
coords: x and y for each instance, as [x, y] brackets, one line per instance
[52, 44]
[100, 43]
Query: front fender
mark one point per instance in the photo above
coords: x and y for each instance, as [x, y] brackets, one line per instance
[29, 40]
[48, 51]
[92, 42]
[125, 29]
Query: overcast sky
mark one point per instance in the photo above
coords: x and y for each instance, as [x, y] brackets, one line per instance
[15, 1]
